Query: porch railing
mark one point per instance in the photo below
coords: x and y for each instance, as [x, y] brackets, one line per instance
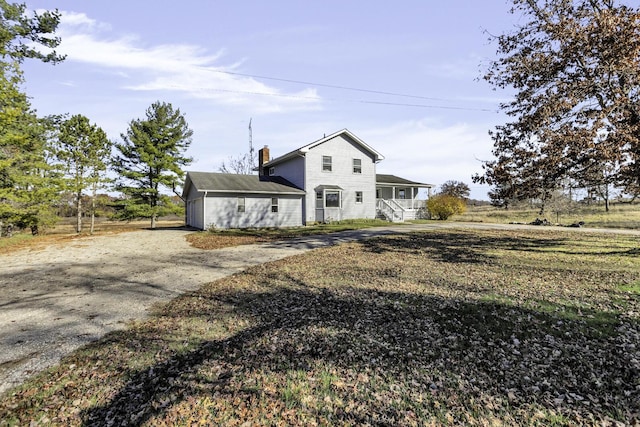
[411, 204]
[400, 210]
[391, 212]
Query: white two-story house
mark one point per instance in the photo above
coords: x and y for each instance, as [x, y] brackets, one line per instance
[331, 179]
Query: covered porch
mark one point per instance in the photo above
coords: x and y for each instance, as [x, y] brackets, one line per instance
[399, 199]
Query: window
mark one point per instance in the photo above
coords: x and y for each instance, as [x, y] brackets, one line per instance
[240, 204]
[272, 171]
[358, 196]
[274, 204]
[332, 199]
[326, 163]
[401, 194]
[319, 199]
[357, 166]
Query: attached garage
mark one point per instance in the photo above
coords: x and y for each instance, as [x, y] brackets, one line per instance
[241, 201]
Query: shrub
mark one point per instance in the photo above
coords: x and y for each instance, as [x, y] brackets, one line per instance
[442, 206]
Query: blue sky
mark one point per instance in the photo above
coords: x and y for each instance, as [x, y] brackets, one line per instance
[210, 60]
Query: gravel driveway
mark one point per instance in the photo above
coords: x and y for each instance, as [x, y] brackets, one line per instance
[57, 299]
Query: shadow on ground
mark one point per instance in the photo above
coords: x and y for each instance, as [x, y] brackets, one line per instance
[426, 354]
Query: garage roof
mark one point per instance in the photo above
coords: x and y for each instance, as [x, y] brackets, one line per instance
[212, 182]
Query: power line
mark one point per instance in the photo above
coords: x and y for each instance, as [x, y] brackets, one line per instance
[379, 92]
[361, 101]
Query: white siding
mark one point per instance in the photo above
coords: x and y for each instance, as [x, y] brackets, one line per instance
[342, 151]
[222, 211]
[194, 209]
[292, 170]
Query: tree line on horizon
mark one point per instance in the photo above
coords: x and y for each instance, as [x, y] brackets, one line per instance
[43, 159]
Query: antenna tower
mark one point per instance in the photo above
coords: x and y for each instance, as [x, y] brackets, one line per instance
[251, 150]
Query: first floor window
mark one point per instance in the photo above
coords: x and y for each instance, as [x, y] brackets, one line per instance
[401, 194]
[332, 199]
[272, 171]
[358, 196]
[319, 199]
[240, 204]
[274, 204]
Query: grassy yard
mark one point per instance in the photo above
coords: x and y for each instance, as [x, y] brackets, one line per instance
[216, 239]
[621, 215]
[430, 328]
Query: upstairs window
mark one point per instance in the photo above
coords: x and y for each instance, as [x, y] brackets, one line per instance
[326, 163]
[357, 165]
[274, 204]
[241, 204]
[358, 196]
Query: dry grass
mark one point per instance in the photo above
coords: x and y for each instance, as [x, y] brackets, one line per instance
[432, 328]
[64, 231]
[622, 215]
[218, 239]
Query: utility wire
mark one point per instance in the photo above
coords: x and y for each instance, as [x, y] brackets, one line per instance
[379, 92]
[360, 101]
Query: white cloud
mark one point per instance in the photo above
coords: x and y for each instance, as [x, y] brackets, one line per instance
[75, 19]
[427, 151]
[188, 69]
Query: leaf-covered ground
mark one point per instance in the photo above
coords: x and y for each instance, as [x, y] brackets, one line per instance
[431, 328]
[223, 238]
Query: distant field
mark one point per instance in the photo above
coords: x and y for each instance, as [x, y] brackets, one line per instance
[443, 327]
[619, 216]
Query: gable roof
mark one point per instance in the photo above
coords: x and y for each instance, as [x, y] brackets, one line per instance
[396, 180]
[213, 182]
[304, 149]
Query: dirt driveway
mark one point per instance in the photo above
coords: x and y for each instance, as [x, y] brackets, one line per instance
[57, 299]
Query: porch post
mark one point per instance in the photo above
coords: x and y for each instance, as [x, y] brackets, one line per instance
[393, 193]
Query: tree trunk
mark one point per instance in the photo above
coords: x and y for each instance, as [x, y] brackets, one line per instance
[93, 208]
[153, 221]
[93, 215]
[79, 212]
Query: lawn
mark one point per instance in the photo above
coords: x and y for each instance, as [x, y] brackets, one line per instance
[222, 238]
[620, 215]
[427, 328]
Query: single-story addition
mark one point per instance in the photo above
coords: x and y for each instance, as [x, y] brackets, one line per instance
[331, 179]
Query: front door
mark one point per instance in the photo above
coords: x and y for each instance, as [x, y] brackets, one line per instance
[328, 205]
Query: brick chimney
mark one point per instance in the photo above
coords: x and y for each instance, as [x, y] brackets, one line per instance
[263, 157]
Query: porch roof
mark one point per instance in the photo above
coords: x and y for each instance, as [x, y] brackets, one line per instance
[328, 187]
[384, 180]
